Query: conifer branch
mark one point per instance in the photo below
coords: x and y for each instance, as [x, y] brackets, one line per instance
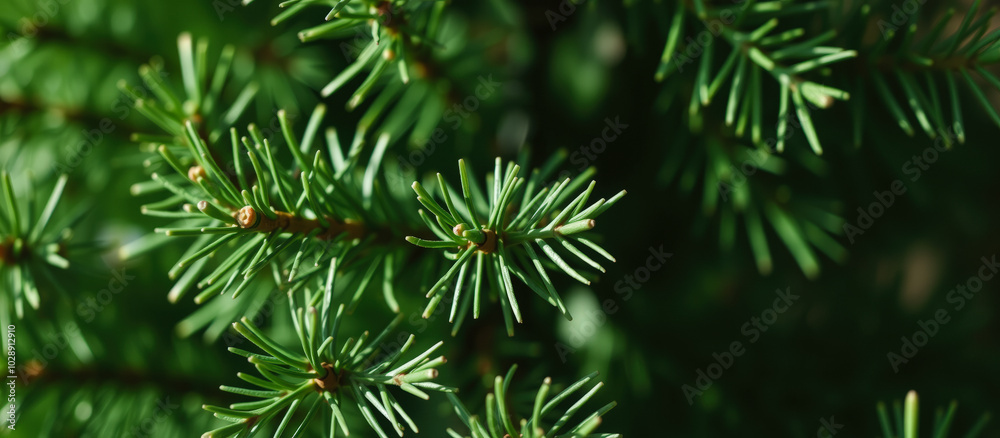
[742, 186]
[498, 232]
[922, 66]
[409, 55]
[906, 422]
[30, 245]
[325, 372]
[755, 50]
[260, 213]
[500, 422]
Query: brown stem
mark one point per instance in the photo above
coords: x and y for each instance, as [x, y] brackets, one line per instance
[34, 373]
[249, 219]
[7, 256]
[87, 117]
[889, 63]
[331, 382]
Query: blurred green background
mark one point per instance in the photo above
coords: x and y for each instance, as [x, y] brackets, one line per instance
[826, 356]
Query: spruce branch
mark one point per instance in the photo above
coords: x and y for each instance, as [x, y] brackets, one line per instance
[498, 232]
[38, 262]
[500, 422]
[70, 37]
[414, 64]
[259, 213]
[397, 28]
[30, 244]
[265, 214]
[205, 89]
[928, 68]
[758, 46]
[743, 184]
[325, 371]
[905, 420]
[110, 406]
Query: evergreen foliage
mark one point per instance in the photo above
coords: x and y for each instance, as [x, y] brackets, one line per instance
[279, 178]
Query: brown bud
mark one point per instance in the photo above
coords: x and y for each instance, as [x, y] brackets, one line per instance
[196, 171]
[331, 380]
[246, 217]
[490, 244]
